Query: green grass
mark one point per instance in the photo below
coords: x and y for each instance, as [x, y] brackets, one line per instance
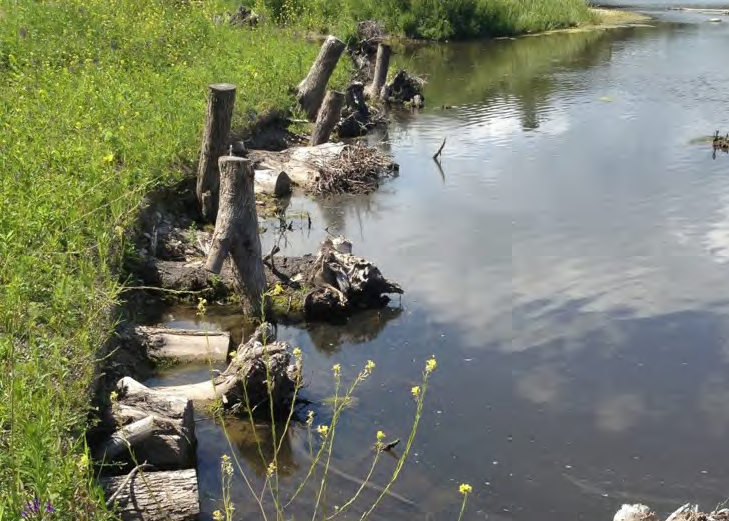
[99, 100]
[434, 19]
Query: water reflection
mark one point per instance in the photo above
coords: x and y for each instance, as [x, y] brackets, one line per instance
[568, 270]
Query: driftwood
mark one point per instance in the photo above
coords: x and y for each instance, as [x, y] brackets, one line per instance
[404, 89]
[687, 512]
[312, 89]
[215, 138]
[327, 118]
[184, 345]
[291, 275]
[156, 496]
[155, 427]
[236, 230]
[342, 281]
[381, 66]
[246, 380]
[331, 168]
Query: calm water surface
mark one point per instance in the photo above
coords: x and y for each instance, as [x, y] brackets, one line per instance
[568, 266]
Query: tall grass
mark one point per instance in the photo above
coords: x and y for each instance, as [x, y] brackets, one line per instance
[434, 19]
[99, 100]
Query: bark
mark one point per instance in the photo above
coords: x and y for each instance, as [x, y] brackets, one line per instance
[381, 66]
[156, 496]
[236, 231]
[155, 427]
[183, 345]
[328, 117]
[215, 139]
[312, 89]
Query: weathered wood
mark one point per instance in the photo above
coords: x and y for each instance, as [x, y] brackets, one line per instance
[158, 428]
[272, 182]
[156, 496]
[236, 231]
[215, 138]
[382, 65]
[184, 345]
[312, 89]
[246, 379]
[328, 117]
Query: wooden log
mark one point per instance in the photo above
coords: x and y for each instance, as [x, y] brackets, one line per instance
[165, 436]
[312, 89]
[184, 345]
[257, 362]
[236, 231]
[215, 138]
[328, 117]
[382, 65]
[272, 182]
[156, 496]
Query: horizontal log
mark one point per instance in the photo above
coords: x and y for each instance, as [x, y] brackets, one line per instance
[156, 496]
[186, 346]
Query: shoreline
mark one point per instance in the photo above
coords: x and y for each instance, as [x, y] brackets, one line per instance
[607, 18]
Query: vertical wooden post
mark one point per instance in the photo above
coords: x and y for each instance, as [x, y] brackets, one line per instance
[382, 64]
[311, 90]
[215, 139]
[236, 230]
[328, 117]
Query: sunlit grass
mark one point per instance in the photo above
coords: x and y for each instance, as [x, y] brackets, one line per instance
[99, 100]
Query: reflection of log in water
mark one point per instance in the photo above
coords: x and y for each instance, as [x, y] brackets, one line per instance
[361, 328]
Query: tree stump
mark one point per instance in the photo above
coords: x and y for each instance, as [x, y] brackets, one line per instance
[215, 138]
[312, 89]
[236, 231]
[381, 66]
[156, 496]
[328, 117]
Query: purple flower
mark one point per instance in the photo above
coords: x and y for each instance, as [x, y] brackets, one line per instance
[33, 507]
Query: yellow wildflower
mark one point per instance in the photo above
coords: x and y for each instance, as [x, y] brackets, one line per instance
[430, 365]
[108, 158]
[465, 489]
[337, 369]
[323, 430]
[113, 396]
[218, 516]
[380, 436]
[271, 469]
[225, 465]
[415, 391]
[310, 418]
[297, 351]
[370, 366]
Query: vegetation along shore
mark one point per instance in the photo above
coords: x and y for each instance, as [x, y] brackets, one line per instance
[101, 103]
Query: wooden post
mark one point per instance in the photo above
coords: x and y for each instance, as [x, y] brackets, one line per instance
[328, 117]
[236, 230]
[215, 139]
[311, 90]
[382, 64]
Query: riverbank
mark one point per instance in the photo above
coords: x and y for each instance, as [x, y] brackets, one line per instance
[603, 19]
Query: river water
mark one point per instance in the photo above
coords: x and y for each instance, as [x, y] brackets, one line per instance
[568, 266]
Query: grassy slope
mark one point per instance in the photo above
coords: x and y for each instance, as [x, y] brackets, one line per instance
[98, 98]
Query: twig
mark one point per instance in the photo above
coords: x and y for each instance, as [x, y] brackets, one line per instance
[135, 470]
[440, 150]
